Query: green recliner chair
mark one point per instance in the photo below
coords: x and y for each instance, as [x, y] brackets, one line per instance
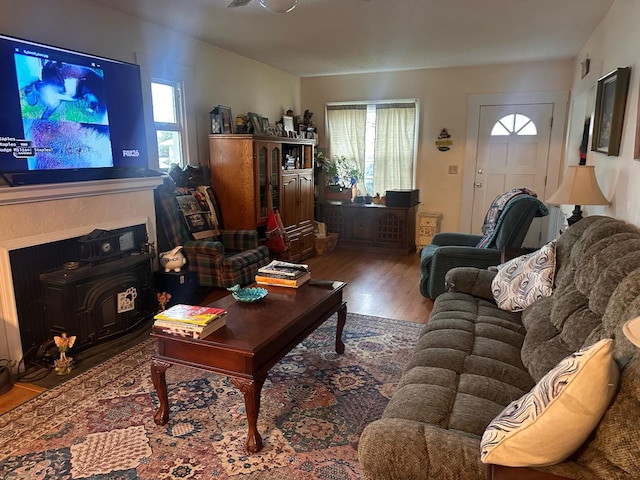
[506, 225]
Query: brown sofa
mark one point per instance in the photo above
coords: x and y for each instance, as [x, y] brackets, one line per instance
[472, 359]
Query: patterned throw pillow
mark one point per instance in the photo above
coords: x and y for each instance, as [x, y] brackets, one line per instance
[523, 280]
[550, 422]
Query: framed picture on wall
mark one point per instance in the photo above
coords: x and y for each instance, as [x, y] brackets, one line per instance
[611, 99]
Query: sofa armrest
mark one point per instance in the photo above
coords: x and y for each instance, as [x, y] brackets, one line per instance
[239, 240]
[500, 472]
[454, 238]
[474, 281]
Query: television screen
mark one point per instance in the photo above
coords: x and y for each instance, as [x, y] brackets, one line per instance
[68, 115]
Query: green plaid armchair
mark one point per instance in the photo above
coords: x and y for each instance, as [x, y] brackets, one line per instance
[506, 225]
[224, 260]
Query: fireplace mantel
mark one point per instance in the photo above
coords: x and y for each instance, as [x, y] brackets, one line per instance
[59, 191]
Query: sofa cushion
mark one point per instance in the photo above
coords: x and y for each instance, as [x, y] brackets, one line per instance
[525, 279]
[550, 422]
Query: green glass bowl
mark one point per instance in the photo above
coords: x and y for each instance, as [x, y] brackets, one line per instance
[249, 295]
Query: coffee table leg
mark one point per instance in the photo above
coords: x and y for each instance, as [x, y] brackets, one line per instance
[158, 369]
[342, 318]
[251, 390]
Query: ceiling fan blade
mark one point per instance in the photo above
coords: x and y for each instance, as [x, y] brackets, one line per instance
[238, 3]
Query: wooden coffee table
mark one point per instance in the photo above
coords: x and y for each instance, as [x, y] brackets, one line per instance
[256, 337]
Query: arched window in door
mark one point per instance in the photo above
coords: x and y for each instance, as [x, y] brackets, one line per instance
[514, 124]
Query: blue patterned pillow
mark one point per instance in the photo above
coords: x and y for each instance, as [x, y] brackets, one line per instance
[523, 280]
[549, 423]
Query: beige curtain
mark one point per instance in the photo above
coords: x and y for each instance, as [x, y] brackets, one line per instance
[346, 124]
[394, 146]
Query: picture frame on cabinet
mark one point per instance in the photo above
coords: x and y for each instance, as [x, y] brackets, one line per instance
[265, 125]
[256, 123]
[287, 124]
[226, 119]
[611, 99]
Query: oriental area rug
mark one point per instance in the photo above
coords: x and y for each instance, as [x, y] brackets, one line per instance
[315, 404]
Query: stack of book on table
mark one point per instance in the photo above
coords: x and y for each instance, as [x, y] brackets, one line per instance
[283, 274]
[190, 320]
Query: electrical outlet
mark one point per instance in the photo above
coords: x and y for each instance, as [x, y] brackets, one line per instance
[453, 169]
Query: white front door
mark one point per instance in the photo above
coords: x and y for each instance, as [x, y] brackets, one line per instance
[513, 152]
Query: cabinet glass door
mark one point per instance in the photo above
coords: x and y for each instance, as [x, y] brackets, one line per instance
[262, 185]
[276, 166]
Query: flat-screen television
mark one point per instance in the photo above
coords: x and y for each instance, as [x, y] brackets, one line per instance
[68, 116]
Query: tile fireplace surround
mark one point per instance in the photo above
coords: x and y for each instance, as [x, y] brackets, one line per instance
[34, 215]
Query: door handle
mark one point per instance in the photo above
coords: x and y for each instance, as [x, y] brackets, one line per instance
[478, 184]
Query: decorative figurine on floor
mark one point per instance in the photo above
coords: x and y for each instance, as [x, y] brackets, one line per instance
[173, 259]
[163, 299]
[64, 364]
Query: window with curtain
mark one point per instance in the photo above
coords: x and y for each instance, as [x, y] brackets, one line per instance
[380, 138]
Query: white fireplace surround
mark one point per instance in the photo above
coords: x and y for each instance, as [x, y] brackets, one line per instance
[63, 211]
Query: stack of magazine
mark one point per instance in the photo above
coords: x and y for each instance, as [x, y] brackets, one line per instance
[283, 274]
[190, 320]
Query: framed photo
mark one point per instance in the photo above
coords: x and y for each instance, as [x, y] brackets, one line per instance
[226, 119]
[265, 125]
[611, 99]
[256, 123]
[287, 124]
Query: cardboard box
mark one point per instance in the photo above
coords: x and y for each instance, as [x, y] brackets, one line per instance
[327, 244]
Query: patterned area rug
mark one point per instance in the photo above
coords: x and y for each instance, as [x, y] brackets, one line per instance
[315, 404]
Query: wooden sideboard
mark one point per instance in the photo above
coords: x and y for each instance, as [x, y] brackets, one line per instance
[249, 178]
[372, 227]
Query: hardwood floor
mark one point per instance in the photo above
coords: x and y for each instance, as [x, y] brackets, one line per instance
[380, 285]
[377, 284]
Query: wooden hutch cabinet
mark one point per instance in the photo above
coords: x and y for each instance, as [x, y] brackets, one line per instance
[251, 175]
[376, 228]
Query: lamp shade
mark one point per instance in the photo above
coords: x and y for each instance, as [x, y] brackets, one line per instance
[631, 330]
[579, 187]
[279, 6]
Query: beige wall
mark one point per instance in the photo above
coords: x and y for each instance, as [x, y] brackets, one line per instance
[614, 44]
[442, 94]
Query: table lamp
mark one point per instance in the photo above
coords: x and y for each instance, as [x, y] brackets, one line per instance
[631, 330]
[579, 187]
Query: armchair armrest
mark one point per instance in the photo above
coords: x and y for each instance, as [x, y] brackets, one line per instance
[446, 258]
[212, 249]
[471, 280]
[239, 240]
[454, 238]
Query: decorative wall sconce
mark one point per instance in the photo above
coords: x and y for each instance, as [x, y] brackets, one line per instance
[585, 67]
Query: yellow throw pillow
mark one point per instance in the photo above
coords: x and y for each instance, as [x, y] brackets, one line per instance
[523, 280]
[549, 423]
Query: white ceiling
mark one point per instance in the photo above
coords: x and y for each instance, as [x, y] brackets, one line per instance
[326, 37]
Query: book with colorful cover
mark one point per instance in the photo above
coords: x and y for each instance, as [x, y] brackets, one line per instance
[278, 267]
[191, 314]
[283, 281]
[188, 330]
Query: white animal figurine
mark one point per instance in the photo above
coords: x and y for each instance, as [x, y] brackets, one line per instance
[173, 259]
